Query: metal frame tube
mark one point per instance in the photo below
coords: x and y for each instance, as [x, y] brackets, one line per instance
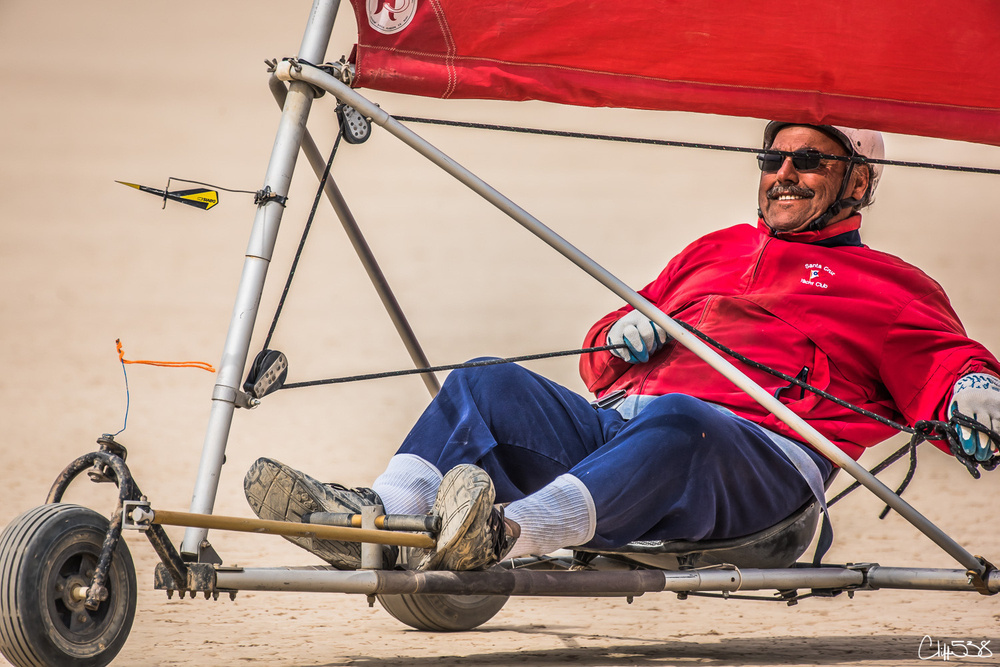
[363, 250]
[927, 579]
[524, 582]
[534, 582]
[690, 341]
[258, 257]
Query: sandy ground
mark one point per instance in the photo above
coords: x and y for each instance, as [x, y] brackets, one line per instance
[106, 90]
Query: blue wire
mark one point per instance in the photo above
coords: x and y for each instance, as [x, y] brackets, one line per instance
[127, 401]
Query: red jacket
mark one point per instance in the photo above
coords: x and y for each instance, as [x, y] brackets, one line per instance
[870, 328]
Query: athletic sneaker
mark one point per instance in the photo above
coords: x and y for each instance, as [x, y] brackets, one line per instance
[473, 532]
[279, 493]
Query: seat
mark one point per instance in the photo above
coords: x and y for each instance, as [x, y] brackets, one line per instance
[775, 547]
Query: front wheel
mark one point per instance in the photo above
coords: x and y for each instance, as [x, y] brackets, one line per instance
[48, 556]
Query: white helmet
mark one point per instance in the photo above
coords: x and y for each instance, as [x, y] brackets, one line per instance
[862, 143]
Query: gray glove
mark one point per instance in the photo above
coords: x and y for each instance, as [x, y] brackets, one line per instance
[642, 336]
[977, 395]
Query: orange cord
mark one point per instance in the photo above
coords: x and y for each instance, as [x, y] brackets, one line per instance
[166, 364]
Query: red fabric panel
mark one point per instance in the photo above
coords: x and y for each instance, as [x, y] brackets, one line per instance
[916, 68]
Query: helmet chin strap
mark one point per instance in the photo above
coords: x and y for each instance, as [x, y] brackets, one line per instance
[838, 205]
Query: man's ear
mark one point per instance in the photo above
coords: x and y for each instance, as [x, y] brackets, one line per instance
[860, 177]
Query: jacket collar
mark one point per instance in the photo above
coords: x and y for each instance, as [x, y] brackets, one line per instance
[847, 232]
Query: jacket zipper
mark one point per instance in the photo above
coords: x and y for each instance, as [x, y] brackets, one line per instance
[756, 266]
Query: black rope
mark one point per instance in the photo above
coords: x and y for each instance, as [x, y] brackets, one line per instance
[675, 144]
[302, 243]
[933, 430]
[965, 421]
[449, 367]
[910, 447]
[920, 432]
[793, 380]
[207, 185]
[753, 598]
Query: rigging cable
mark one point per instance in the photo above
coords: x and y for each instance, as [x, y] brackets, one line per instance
[675, 144]
[492, 361]
[302, 243]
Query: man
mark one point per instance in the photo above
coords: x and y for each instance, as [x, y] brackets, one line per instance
[516, 464]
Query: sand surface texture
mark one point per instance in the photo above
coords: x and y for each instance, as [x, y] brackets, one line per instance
[101, 91]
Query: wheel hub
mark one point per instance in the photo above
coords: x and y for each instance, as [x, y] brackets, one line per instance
[68, 610]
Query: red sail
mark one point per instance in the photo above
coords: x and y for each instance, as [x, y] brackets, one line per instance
[929, 69]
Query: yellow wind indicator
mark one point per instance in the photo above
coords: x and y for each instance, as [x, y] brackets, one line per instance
[202, 198]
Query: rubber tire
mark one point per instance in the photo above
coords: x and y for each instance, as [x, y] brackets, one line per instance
[443, 613]
[48, 546]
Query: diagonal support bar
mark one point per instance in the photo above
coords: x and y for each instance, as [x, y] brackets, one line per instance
[363, 250]
[287, 72]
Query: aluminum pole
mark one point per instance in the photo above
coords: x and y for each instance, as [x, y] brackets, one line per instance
[690, 341]
[532, 582]
[258, 257]
[927, 579]
[592, 583]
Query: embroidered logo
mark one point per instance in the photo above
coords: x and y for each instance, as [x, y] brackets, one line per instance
[818, 275]
[390, 16]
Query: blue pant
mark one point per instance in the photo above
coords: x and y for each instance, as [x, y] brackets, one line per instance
[680, 469]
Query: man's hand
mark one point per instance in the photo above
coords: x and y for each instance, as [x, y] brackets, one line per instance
[642, 336]
[977, 395]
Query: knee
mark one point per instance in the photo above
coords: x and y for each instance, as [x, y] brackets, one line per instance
[680, 423]
[488, 380]
[671, 407]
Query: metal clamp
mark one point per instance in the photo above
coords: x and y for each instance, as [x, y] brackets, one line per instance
[265, 195]
[342, 70]
[246, 401]
[284, 69]
[137, 515]
[371, 554]
[865, 570]
[100, 472]
[240, 399]
[979, 580]
[201, 578]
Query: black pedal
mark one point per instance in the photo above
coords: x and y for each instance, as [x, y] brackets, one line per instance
[267, 374]
[355, 127]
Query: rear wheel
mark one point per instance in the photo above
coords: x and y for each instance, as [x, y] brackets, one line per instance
[48, 556]
[443, 613]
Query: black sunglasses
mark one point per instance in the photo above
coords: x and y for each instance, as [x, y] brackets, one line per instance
[807, 160]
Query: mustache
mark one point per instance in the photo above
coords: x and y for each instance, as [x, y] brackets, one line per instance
[795, 190]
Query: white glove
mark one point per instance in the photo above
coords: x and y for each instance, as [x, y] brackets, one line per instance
[642, 336]
[977, 395]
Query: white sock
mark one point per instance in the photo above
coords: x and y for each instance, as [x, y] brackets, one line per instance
[559, 515]
[408, 485]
